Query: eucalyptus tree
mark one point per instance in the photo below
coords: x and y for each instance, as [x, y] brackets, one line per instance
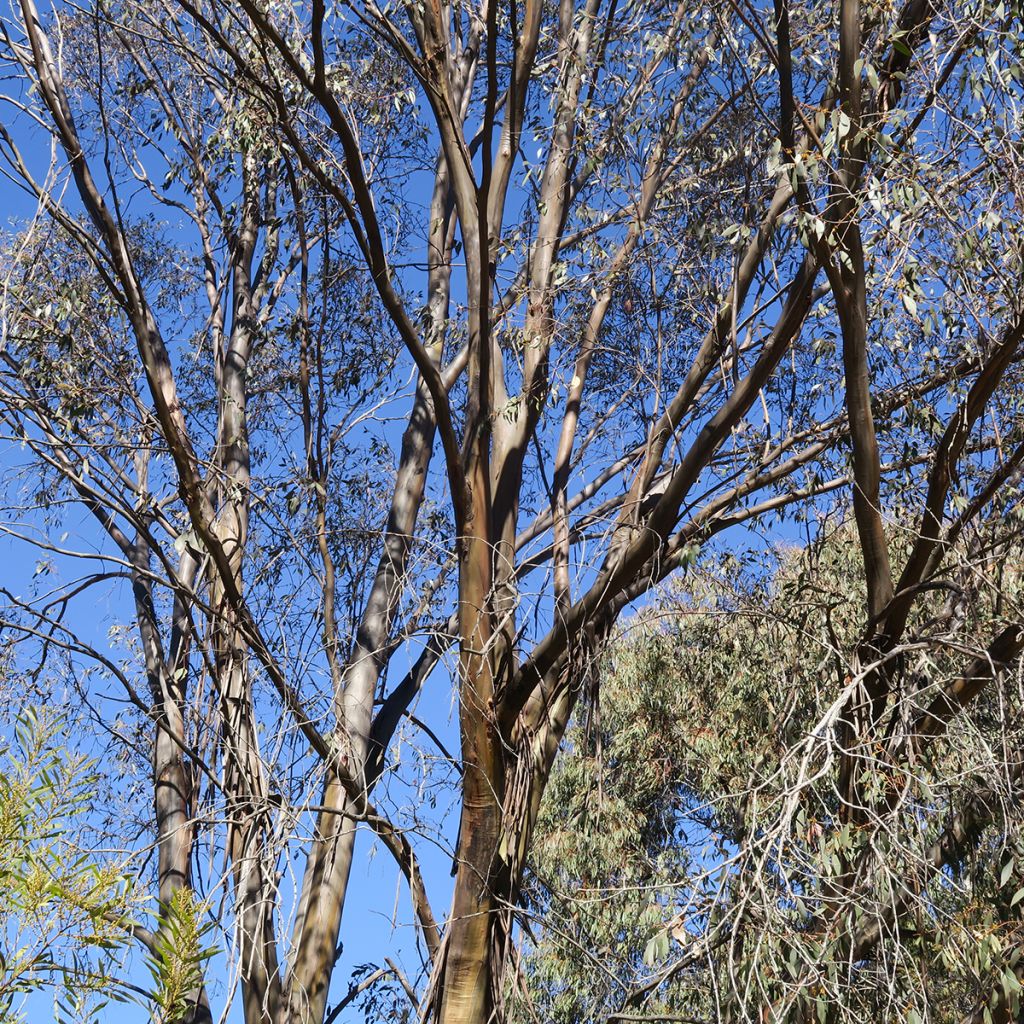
[597, 259]
[690, 854]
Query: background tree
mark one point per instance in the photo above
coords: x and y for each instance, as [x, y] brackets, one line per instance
[687, 856]
[639, 276]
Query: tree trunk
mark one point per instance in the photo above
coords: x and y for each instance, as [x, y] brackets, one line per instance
[493, 842]
[318, 923]
[470, 970]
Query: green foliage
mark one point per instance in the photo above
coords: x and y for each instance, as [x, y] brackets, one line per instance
[62, 910]
[179, 958]
[606, 854]
[690, 848]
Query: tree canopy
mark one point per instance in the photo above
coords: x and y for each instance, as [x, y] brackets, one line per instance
[365, 366]
[687, 860]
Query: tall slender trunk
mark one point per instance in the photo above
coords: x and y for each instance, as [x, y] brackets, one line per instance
[172, 785]
[325, 880]
[249, 825]
[465, 994]
[329, 864]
